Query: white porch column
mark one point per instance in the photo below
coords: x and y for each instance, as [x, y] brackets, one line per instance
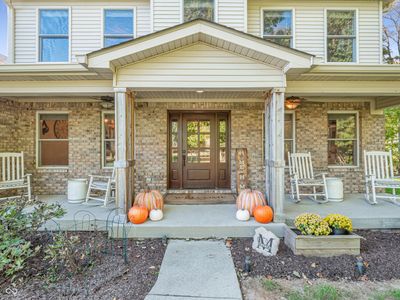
[124, 113]
[274, 151]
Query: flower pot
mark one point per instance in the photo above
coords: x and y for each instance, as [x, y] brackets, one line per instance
[339, 231]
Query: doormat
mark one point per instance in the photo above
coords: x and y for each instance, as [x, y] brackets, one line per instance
[197, 198]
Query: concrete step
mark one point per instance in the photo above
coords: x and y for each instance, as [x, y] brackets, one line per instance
[199, 222]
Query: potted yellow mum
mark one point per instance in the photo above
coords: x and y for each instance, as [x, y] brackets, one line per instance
[339, 224]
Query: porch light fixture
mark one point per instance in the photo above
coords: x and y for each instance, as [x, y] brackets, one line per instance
[199, 91]
[293, 102]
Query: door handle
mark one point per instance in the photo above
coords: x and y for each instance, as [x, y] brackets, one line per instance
[184, 160]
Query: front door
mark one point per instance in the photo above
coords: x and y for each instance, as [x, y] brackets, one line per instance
[198, 150]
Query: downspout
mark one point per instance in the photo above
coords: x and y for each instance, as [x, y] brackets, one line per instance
[10, 32]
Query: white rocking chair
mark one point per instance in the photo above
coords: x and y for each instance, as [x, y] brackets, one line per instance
[302, 175]
[12, 169]
[101, 188]
[379, 174]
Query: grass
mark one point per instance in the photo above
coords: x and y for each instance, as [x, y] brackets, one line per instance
[271, 285]
[387, 295]
[317, 292]
[389, 191]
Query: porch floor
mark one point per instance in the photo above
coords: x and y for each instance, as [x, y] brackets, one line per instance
[180, 221]
[218, 221]
[364, 215]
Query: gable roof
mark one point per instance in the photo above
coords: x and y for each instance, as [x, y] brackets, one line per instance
[194, 31]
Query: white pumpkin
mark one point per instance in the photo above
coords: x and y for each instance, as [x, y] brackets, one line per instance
[156, 215]
[243, 215]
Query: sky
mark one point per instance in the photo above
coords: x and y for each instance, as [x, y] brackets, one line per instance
[3, 28]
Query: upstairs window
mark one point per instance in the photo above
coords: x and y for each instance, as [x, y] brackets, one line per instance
[341, 36]
[277, 27]
[198, 9]
[343, 139]
[54, 35]
[118, 26]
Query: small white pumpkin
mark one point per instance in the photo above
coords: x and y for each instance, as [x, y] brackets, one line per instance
[156, 215]
[243, 215]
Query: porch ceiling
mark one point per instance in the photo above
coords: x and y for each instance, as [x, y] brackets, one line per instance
[347, 73]
[228, 96]
[193, 32]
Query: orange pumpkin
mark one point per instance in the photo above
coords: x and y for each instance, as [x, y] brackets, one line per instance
[150, 199]
[249, 200]
[138, 214]
[263, 214]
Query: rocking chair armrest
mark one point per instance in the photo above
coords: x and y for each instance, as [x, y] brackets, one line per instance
[100, 176]
[320, 175]
[27, 175]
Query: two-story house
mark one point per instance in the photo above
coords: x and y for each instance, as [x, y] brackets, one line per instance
[167, 91]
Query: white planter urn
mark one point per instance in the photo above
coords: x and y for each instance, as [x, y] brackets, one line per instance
[243, 215]
[156, 215]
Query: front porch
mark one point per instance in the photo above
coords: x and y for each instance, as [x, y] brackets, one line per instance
[218, 221]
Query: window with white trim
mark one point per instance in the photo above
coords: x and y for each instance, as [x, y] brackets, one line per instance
[108, 139]
[53, 35]
[118, 26]
[53, 142]
[342, 139]
[341, 36]
[198, 9]
[278, 26]
[289, 134]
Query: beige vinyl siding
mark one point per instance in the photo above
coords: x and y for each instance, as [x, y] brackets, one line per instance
[25, 35]
[310, 24]
[86, 25]
[166, 14]
[199, 66]
[232, 13]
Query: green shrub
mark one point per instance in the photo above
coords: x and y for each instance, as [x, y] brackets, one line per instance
[20, 220]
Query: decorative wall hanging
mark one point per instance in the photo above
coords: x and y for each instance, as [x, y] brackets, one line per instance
[242, 172]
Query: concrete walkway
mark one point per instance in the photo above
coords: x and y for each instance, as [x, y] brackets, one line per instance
[201, 270]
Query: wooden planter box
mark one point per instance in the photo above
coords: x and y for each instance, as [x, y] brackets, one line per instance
[330, 245]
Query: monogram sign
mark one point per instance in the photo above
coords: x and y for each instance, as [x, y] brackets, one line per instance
[265, 242]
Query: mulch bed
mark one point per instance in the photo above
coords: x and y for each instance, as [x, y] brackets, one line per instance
[380, 251]
[108, 278]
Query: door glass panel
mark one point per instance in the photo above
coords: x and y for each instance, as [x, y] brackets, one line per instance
[222, 140]
[222, 155]
[205, 126]
[174, 140]
[205, 156]
[193, 156]
[174, 155]
[193, 141]
[174, 127]
[192, 127]
[205, 140]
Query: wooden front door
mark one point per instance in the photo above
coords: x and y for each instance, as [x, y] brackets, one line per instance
[199, 150]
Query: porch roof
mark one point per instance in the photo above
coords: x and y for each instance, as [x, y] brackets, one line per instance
[192, 32]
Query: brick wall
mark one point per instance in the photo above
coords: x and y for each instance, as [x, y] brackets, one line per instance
[18, 124]
[312, 133]
[19, 118]
[151, 140]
